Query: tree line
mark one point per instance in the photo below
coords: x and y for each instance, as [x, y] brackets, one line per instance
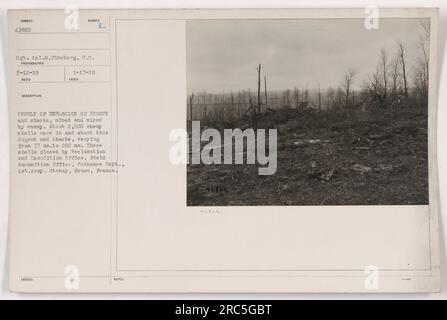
[395, 82]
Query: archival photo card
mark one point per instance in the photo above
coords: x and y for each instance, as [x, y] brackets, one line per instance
[341, 110]
[223, 150]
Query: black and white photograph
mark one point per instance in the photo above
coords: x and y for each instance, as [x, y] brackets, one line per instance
[203, 151]
[340, 109]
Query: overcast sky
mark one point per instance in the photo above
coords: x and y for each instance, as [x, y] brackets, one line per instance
[222, 55]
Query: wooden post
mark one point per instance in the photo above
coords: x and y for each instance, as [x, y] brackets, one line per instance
[259, 89]
[265, 93]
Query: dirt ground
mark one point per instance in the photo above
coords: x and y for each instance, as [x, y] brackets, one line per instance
[326, 158]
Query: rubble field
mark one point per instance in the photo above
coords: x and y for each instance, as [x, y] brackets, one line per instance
[377, 157]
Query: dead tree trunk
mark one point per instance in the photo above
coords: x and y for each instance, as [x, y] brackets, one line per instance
[402, 63]
[265, 92]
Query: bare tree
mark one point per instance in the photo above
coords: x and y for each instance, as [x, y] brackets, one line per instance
[296, 96]
[259, 89]
[421, 78]
[375, 86]
[339, 97]
[384, 69]
[347, 83]
[422, 68]
[286, 95]
[330, 98]
[395, 76]
[401, 54]
[305, 95]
